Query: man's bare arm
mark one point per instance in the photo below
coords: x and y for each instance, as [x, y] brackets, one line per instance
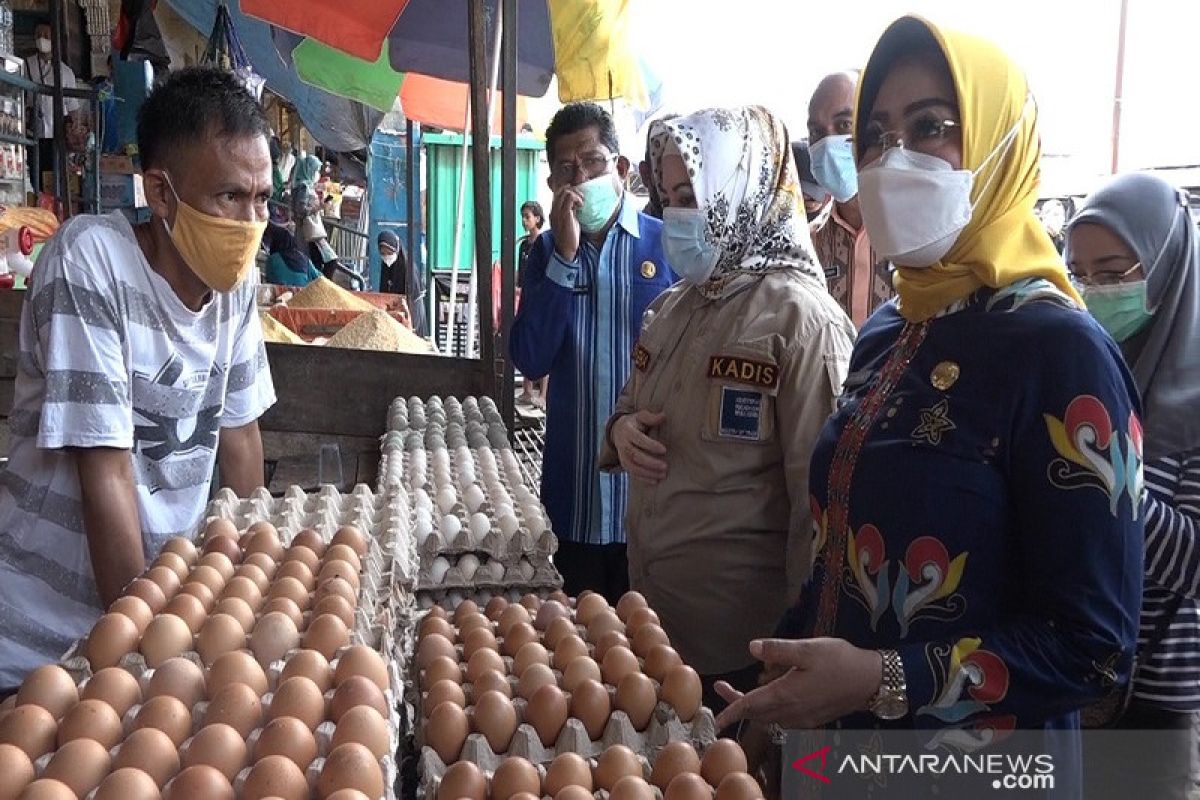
[110, 518]
[240, 456]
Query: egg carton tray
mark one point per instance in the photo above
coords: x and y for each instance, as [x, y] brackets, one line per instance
[491, 574]
[415, 413]
[401, 456]
[449, 599]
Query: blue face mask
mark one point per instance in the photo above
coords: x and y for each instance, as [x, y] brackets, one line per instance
[687, 250]
[600, 199]
[1120, 309]
[833, 166]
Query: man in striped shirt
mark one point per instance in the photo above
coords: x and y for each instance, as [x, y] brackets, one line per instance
[141, 366]
[588, 281]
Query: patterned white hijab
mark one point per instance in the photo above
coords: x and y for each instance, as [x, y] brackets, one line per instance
[744, 177]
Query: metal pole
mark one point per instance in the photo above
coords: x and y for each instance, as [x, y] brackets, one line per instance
[60, 134]
[413, 197]
[458, 215]
[477, 40]
[1117, 99]
[508, 214]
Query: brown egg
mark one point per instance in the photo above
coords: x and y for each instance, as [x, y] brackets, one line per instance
[182, 547]
[205, 573]
[589, 605]
[567, 650]
[739, 786]
[308, 537]
[531, 602]
[326, 634]
[547, 713]
[573, 793]
[463, 610]
[300, 698]
[175, 563]
[567, 769]
[336, 587]
[632, 787]
[491, 681]
[673, 759]
[341, 552]
[608, 641]
[236, 705]
[639, 617]
[688, 786]
[519, 635]
[80, 764]
[201, 592]
[723, 757]
[264, 540]
[197, 781]
[591, 705]
[31, 728]
[292, 589]
[223, 563]
[614, 763]
[150, 751]
[288, 608]
[339, 569]
[275, 776]
[300, 571]
[526, 796]
[432, 624]
[350, 766]
[366, 726]
[361, 660]
[496, 718]
[681, 690]
[628, 602]
[220, 527]
[579, 670]
[221, 634]
[339, 606]
[660, 660]
[618, 662]
[463, 781]
[16, 770]
[189, 609]
[50, 687]
[149, 592]
[166, 578]
[604, 622]
[483, 660]
[446, 730]
[512, 615]
[263, 562]
[166, 637]
[647, 637]
[441, 668]
[239, 610]
[167, 714]
[274, 635]
[236, 667]
[135, 608]
[352, 537]
[177, 677]
[111, 637]
[533, 678]
[224, 545]
[357, 691]
[218, 746]
[304, 554]
[244, 588]
[515, 776]
[128, 783]
[472, 621]
[288, 737]
[47, 789]
[495, 607]
[636, 696]
[308, 664]
[530, 653]
[114, 686]
[255, 575]
[476, 639]
[89, 719]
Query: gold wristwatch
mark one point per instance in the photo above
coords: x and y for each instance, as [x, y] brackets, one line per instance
[891, 701]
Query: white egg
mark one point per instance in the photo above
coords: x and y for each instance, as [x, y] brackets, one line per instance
[467, 565]
[480, 525]
[451, 527]
[454, 599]
[421, 500]
[504, 510]
[422, 526]
[446, 498]
[473, 497]
[509, 525]
[466, 474]
[438, 569]
[536, 524]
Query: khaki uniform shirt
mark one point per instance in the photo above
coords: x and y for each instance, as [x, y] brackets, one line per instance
[859, 279]
[722, 545]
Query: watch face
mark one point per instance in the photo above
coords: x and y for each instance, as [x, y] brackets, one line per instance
[890, 707]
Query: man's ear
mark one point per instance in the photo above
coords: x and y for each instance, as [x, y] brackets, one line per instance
[158, 192]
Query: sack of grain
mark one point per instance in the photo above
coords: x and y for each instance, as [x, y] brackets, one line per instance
[378, 330]
[276, 331]
[324, 293]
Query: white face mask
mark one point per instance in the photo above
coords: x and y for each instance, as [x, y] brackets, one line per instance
[685, 245]
[43, 46]
[915, 205]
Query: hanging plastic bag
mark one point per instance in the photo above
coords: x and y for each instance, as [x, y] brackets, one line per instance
[225, 51]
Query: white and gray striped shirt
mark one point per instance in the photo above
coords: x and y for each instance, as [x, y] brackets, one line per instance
[110, 357]
[1169, 676]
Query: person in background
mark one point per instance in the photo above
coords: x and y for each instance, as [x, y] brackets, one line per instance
[653, 205]
[978, 492]
[1135, 254]
[40, 68]
[142, 366]
[533, 219]
[287, 264]
[860, 279]
[736, 370]
[816, 199]
[1054, 216]
[588, 280]
[393, 273]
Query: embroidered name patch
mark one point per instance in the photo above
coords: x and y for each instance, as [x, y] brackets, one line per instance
[744, 370]
[641, 357]
[741, 414]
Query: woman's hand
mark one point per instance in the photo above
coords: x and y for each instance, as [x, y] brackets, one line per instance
[827, 680]
[641, 456]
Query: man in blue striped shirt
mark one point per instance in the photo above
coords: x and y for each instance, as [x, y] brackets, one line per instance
[588, 281]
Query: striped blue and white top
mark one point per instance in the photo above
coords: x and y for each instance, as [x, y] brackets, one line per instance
[1169, 676]
[110, 357]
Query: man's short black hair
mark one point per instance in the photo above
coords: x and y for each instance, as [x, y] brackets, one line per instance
[191, 105]
[534, 208]
[575, 117]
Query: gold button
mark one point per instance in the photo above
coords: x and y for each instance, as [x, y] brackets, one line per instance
[649, 270]
[944, 375]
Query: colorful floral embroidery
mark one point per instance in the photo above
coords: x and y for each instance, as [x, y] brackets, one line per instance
[870, 569]
[1095, 455]
[975, 679]
[933, 578]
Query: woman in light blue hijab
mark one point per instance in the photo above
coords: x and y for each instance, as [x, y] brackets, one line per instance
[1134, 251]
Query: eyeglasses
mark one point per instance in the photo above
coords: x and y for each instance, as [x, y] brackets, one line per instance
[591, 165]
[1104, 278]
[920, 133]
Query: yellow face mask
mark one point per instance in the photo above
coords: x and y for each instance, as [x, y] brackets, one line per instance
[220, 251]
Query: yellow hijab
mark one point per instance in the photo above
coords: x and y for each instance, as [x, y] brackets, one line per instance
[1004, 242]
